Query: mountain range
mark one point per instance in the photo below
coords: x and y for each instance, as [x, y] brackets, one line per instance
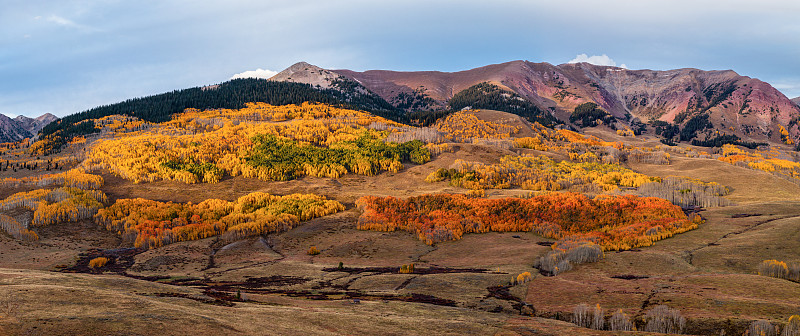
[715, 102]
[22, 127]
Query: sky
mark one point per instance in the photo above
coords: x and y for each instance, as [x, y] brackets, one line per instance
[66, 56]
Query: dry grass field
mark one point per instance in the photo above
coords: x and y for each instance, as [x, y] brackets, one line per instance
[270, 284]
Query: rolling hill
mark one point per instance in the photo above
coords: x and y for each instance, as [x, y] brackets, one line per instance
[314, 204]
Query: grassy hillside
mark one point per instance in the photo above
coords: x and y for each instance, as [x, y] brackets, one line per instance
[233, 220]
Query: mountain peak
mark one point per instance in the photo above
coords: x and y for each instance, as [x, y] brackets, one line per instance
[302, 72]
[734, 104]
[23, 127]
[47, 117]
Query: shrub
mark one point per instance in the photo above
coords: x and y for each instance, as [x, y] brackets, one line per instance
[8, 306]
[476, 193]
[313, 251]
[407, 269]
[522, 278]
[98, 262]
[567, 252]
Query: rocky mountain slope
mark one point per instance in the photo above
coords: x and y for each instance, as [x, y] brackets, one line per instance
[22, 127]
[735, 104]
[796, 100]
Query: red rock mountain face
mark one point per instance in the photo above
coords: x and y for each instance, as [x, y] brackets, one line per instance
[735, 104]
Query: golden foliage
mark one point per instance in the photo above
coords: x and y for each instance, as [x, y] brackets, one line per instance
[57, 205]
[16, 230]
[407, 269]
[313, 251]
[523, 278]
[627, 132]
[464, 126]
[202, 146]
[153, 224]
[779, 269]
[586, 148]
[768, 161]
[539, 173]
[98, 262]
[785, 135]
[792, 327]
[74, 178]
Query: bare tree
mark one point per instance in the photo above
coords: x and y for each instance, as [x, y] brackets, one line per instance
[686, 192]
[773, 268]
[793, 327]
[598, 317]
[580, 315]
[664, 319]
[762, 328]
[793, 271]
[620, 321]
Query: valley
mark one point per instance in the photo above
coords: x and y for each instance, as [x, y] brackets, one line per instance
[286, 215]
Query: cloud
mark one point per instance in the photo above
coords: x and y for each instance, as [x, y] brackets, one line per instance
[258, 73]
[62, 21]
[596, 60]
[788, 86]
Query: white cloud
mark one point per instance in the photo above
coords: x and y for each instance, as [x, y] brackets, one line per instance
[789, 87]
[596, 60]
[258, 73]
[62, 21]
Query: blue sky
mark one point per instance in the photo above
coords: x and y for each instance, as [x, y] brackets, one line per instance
[67, 56]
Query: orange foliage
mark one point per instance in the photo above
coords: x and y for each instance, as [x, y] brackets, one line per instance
[407, 269]
[98, 262]
[614, 222]
[152, 224]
